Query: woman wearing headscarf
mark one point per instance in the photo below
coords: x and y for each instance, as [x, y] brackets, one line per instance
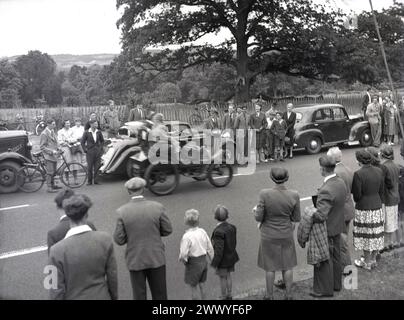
[277, 210]
[84, 259]
[367, 190]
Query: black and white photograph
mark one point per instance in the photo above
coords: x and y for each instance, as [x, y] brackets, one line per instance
[205, 150]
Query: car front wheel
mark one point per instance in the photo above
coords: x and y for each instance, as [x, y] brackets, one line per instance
[313, 145]
[365, 138]
[8, 176]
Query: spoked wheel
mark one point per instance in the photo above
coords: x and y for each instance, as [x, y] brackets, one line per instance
[220, 175]
[73, 175]
[162, 179]
[30, 179]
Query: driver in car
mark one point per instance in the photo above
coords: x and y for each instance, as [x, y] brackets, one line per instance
[159, 134]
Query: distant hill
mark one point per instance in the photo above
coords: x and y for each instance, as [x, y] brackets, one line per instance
[66, 61]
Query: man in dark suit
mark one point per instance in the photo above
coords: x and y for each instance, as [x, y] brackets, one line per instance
[290, 117]
[140, 225]
[84, 259]
[345, 174]
[92, 144]
[58, 232]
[330, 203]
[258, 122]
[137, 113]
[229, 118]
[50, 150]
[367, 98]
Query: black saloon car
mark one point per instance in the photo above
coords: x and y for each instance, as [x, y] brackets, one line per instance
[321, 125]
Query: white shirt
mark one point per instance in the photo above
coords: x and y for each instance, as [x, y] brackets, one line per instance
[65, 136]
[77, 230]
[77, 132]
[94, 133]
[329, 177]
[289, 113]
[195, 243]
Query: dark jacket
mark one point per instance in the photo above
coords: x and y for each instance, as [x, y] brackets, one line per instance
[224, 241]
[277, 209]
[228, 120]
[141, 224]
[330, 205]
[257, 122]
[58, 232]
[401, 190]
[136, 114]
[290, 123]
[278, 129]
[88, 144]
[391, 196]
[86, 267]
[347, 175]
[367, 188]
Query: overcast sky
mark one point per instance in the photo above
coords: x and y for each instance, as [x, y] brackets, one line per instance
[81, 26]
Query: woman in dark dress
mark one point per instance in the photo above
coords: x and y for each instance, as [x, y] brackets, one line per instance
[367, 190]
[277, 210]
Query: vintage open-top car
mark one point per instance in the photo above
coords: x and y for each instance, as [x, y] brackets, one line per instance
[118, 156]
[321, 125]
[131, 151]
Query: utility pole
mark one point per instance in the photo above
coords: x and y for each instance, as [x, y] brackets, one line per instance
[385, 63]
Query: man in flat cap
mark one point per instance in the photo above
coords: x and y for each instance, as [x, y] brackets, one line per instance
[330, 208]
[140, 225]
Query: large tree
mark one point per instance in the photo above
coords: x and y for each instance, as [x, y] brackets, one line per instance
[10, 84]
[293, 37]
[38, 74]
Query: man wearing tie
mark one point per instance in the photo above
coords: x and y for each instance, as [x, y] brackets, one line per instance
[92, 143]
[137, 113]
[228, 121]
[290, 118]
[258, 122]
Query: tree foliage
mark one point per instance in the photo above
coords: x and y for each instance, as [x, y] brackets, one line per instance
[293, 37]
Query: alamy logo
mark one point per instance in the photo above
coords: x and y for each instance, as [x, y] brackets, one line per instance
[51, 279]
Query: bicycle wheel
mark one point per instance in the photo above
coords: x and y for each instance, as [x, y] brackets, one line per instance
[73, 175]
[30, 179]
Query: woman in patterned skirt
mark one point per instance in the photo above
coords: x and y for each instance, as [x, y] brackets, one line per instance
[367, 190]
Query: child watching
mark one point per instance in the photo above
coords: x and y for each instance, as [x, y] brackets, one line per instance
[224, 239]
[195, 246]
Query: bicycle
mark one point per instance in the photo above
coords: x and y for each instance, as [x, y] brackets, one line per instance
[32, 176]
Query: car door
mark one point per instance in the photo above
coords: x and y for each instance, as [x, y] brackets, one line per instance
[322, 120]
[341, 124]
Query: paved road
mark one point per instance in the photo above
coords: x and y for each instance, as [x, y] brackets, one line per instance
[21, 275]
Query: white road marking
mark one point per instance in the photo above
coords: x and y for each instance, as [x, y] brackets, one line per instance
[17, 207]
[22, 252]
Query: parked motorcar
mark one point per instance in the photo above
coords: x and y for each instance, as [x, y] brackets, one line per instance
[118, 157]
[324, 125]
[15, 149]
